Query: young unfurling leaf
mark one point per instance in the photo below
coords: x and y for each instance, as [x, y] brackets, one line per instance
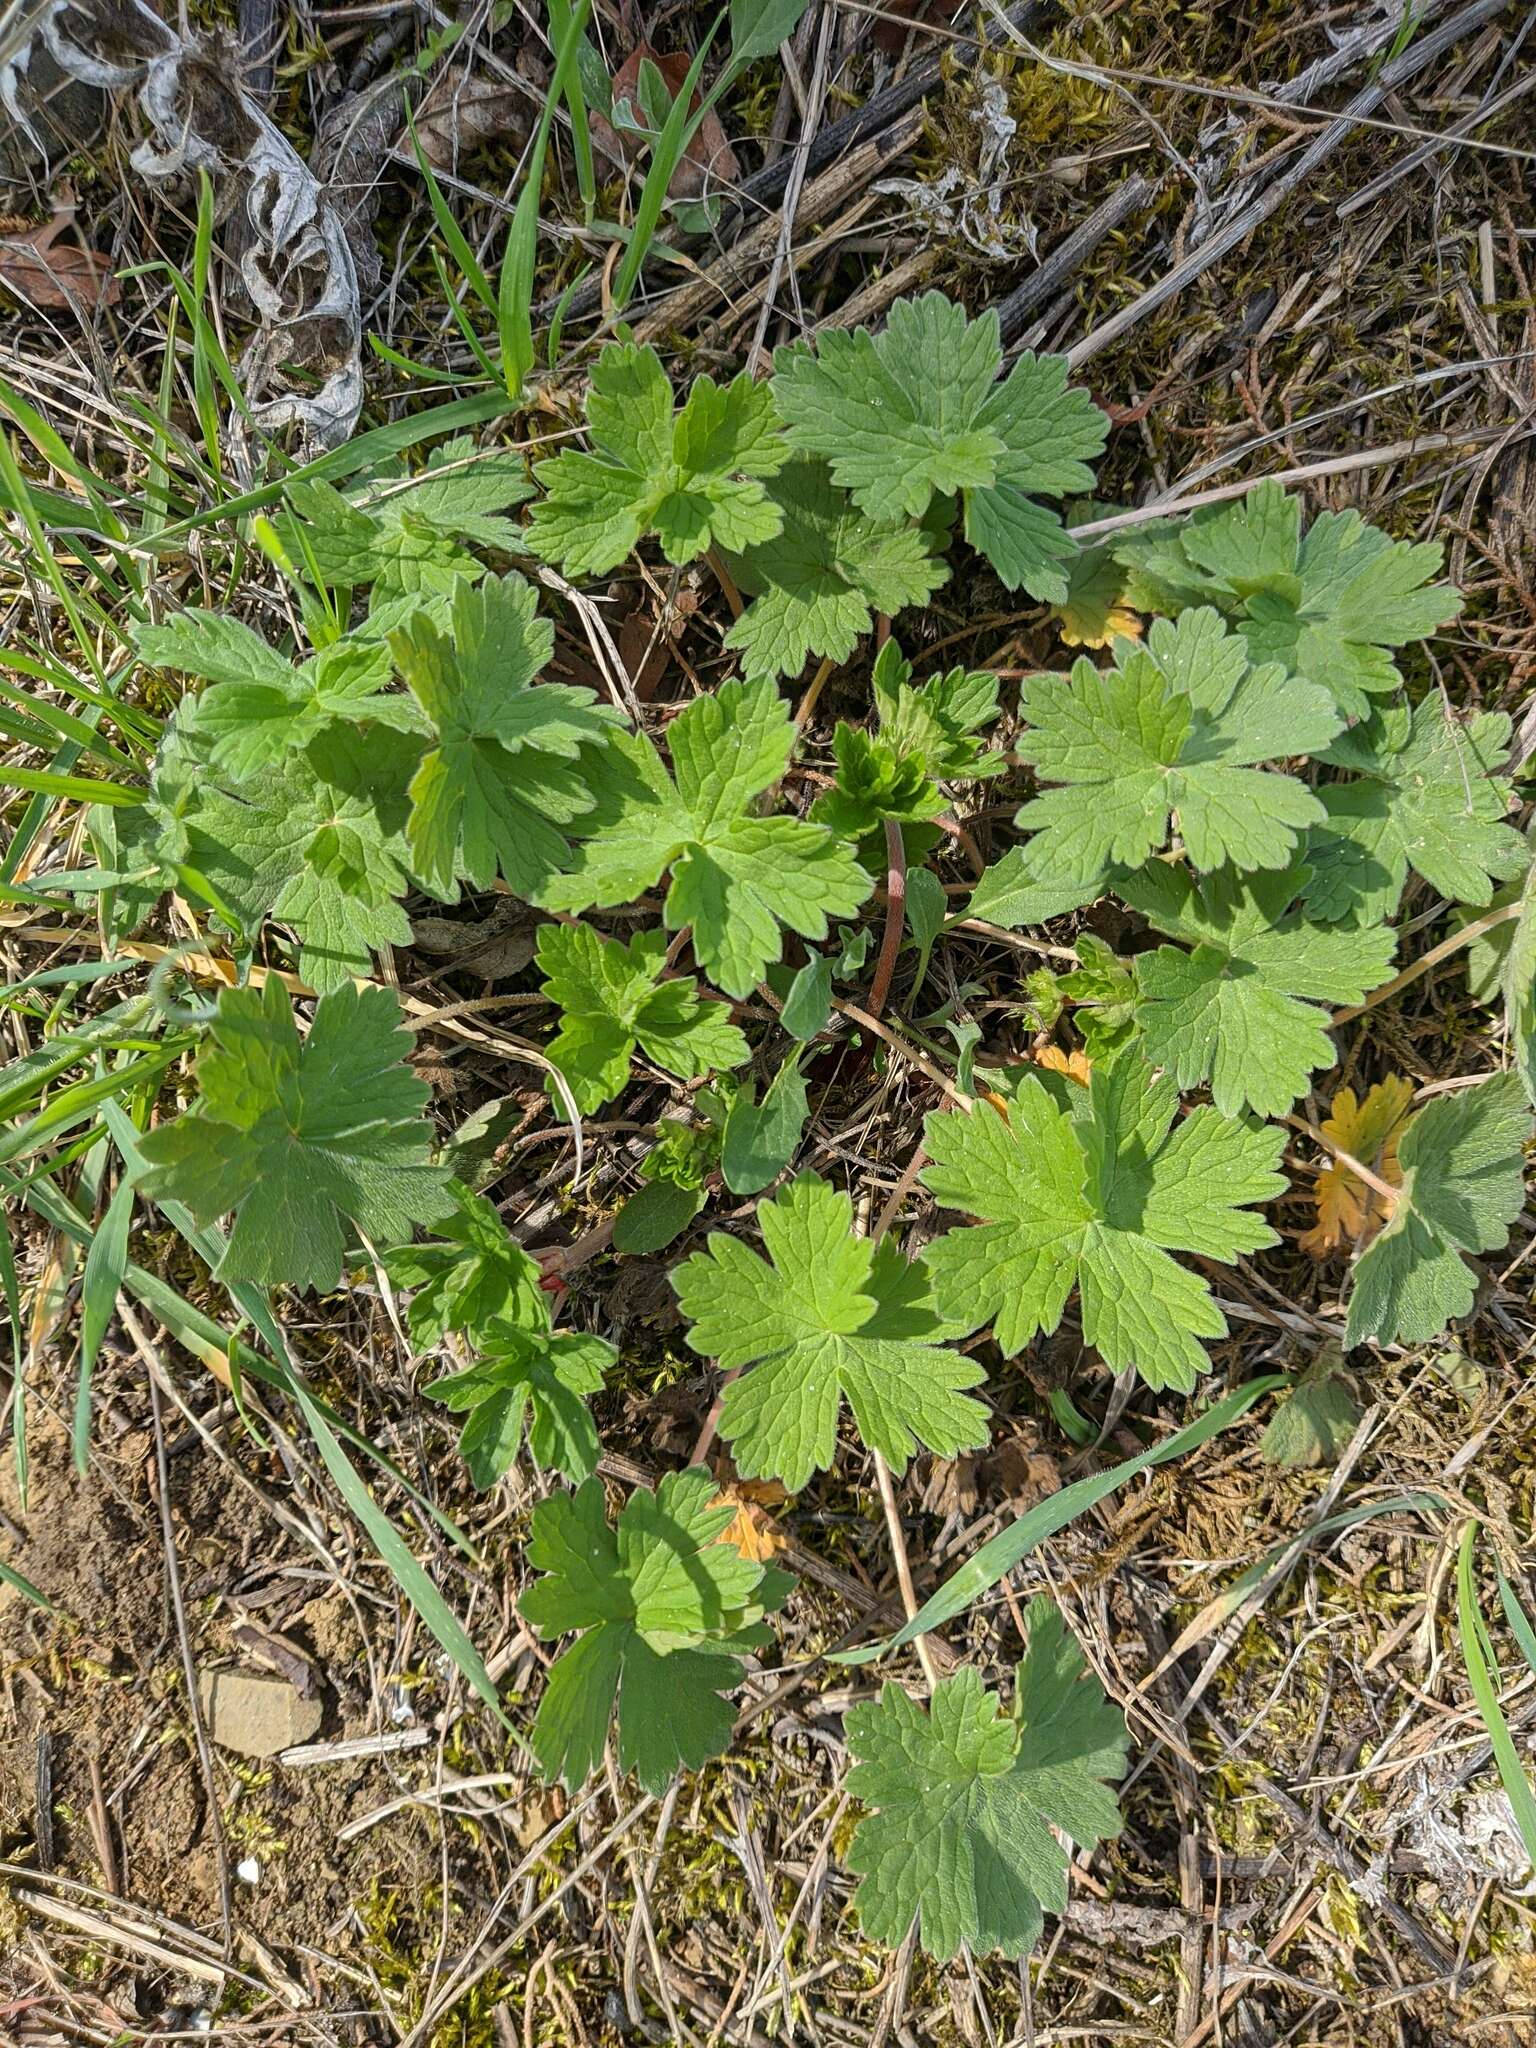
[833, 1316]
[818, 583]
[926, 735]
[737, 878]
[964, 1798]
[692, 478]
[1175, 730]
[503, 779]
[612, 998]
[471, 1276]
[664, 1609]
[918, 412]
[1329, 606]
[1463, 1185]
[297, 1136]
[1244, 1007]
[1098, 1195]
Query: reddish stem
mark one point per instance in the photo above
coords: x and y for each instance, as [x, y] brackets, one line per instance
[895, 916]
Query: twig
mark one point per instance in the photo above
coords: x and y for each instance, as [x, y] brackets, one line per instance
[1071, 253]
[906, 1048]
[1389, 1194]
[903, 1563]
[1232, 233]
[188, 1663]
[813, 692]
[1504, 914]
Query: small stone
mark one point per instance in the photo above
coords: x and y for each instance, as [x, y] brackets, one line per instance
[256, 1715]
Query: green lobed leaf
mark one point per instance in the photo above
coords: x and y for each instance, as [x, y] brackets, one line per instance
[693, 477]
[297, 1137]
[1463, 1186]
[1098, 1196]
[612, 998]
[663, 1609]
[1245, 1008]
[819, 582]
[964, 1797]
[1329, 605]
[918, 412]
[1173, 733]
[1426, 796]
[831, 1318]
[737, 878]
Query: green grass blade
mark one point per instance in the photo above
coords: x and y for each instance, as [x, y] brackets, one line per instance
[514, 307]
[362, 452]
[576, 106]
[667, 153]
[12, 1292]
[470, 267]
[1482, 1676]
[105, 1264]
[72, 788]
[9, 1576]
[995, 1559]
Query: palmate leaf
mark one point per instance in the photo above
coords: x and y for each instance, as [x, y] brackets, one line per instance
[964, 1798]
[1329, 605]
[528, 1377]
[316, 842]
[1349, 1208]
[612, 998]
[1245, 1008]
[406, 535]
[664, 1608]
[503, 778]
[832, 1317]
[1463, 1185]
[1427, 796]
[259, 705]
[1097, 1195]
[1175, 730]
[691, 477]
[817, 585]
[736, 878]
[917, 412]
[297, 1137]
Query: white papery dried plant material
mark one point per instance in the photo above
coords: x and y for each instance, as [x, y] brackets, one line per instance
[293, 255]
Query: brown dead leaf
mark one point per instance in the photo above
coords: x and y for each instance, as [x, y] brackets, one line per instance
[758, 1535]
[52, 275]
[1075, 1065]
[1347, 1209]
[708, 162]
[462, 113]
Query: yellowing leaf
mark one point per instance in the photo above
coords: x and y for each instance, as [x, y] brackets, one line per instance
[1095, 610]
[1075, 1065]
[1369, 1131]
[758, 1535]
